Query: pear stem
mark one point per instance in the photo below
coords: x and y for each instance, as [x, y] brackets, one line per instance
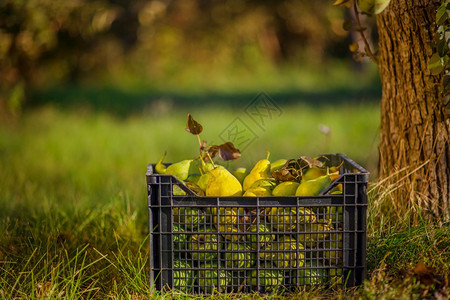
[268, 154]
[207, 153]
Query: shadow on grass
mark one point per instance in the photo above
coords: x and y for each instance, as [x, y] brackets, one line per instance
[122, 103]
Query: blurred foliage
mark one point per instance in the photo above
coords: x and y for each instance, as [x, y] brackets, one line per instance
[45, 42]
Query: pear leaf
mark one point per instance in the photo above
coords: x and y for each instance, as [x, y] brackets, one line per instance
[308, 162]
[283, 175]
[228, 151]
[193, 126]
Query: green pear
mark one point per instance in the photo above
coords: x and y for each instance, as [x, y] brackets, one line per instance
[203, 181]
[277, 165]
[188, 217]
[313, 187]
[285, 218]
[180, 169]
[222, 183]
[260, 171]
[177, 191]
[286, 188]
[282, 254]
[213, 278]
[372, 7]
[269, 183]
[204, 245]
[240, 174]
[311, 274]
[237, 255]
[193, 177]
[260, 235]
[182, 275]
[269, 279]
[313, 173]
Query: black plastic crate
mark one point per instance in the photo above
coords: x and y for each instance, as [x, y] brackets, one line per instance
[203, 245]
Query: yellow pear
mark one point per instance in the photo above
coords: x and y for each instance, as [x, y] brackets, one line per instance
[222, 183]
[286, 188]
[313, 187]
[260, 171]
[258, 191]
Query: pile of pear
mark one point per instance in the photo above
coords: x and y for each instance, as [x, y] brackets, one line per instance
[216, 180]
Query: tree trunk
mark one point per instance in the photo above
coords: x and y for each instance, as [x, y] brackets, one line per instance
[414, 143]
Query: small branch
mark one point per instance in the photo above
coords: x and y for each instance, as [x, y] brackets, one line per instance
[366, 43]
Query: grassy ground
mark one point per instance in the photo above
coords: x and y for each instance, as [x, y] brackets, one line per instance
[73, 215]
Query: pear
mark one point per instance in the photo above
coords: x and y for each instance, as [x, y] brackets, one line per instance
[337, 190]
[286, 188]
[193, 177]
[203, 181]
[160, 168]
[313, 173]
[222, 183]
[180, 169]
[261, 235]
[313, 187]
[258, 191]
[269, 183]
[226, 221]
[283, 255]
[315, 233]
[177, 191]
[204, 245]
[285, 218]
[240, 174]
[277, 165]
[237, 255]
[260, 171]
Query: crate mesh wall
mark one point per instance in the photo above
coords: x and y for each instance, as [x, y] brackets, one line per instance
[203, 245]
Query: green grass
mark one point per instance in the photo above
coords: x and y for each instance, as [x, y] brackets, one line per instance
[73, 215]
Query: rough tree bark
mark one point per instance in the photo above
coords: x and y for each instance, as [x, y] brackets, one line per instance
[414, 143]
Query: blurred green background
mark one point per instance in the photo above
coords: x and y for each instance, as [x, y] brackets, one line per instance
[143, 65]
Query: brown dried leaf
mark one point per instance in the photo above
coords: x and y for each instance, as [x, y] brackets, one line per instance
[308, 162]
[283, 175]
[193, 126]
[228, 151]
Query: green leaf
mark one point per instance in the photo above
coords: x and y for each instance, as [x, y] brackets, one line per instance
[435, 65]
[442, 48]
[441, 14]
